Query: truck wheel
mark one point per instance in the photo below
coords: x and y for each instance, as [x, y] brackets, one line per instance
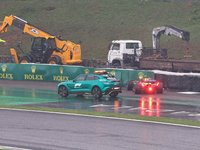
[116, 64]
[53, 60]
[137, 89]
[62, 91]
[160, 89]
[96, 92]
[129, 85]
[107, 64]
[113, 94]
[24, 59]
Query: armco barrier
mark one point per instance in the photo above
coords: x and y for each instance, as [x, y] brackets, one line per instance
[180, 82]
[58, 73]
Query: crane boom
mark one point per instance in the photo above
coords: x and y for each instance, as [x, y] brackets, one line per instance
[168, 30]
[25, 26]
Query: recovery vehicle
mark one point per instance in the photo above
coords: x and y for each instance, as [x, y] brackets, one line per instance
[130, 53]
[46, 47]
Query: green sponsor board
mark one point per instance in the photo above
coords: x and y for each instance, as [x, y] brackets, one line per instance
[125, 74]
[8, 71]
[139, 74]
[87, 70]
[33, 72]
[59, 73]
[38, 72]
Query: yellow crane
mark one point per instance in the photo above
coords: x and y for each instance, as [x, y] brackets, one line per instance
[46, 47]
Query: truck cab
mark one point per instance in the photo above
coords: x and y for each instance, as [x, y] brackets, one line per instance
[122, 52]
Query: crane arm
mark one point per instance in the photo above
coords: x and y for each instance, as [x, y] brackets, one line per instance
[31, 29]
[24, 25]
[4, 24]
[168, 30]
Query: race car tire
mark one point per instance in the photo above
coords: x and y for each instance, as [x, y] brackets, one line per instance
[96, 92]
[113, 94]
[137, 88]
[160, 89]
[129, 85]
[62, 91]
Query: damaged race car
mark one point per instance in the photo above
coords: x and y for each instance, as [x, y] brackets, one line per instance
[145, 85]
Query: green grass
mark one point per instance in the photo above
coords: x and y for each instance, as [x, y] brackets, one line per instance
[96, 23]
[136, 117]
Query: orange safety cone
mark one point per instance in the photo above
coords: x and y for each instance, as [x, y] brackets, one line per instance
[187, 53]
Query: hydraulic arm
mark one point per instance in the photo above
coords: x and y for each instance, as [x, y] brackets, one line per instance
[168, 30]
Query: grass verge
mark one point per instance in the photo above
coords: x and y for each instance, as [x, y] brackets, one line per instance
[97, 22]
[104, 114]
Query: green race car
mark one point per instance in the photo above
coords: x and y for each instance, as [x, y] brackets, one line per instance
[97, 84]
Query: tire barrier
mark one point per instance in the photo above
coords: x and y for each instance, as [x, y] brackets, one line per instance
[7, 59]
[182, 83]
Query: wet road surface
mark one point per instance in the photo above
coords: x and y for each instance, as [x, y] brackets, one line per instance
[95, 133]
[169, 104]
[60, 131]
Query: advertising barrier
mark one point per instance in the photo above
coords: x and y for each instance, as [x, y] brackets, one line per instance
[59, 73]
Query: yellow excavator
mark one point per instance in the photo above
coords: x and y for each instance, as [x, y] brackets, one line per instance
[46, 47]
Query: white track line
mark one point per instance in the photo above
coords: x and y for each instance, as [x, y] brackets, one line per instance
[101, 117]
[189, 92]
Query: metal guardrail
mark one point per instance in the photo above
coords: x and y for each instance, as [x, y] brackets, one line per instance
[182, 83]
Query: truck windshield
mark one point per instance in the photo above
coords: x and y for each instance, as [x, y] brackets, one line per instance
[115, 46]
[132, 45]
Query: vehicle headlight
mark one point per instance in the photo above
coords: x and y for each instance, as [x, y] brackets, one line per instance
[116, 88]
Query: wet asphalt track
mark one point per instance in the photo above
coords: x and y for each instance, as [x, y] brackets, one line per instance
[43, 94]
[53, 131]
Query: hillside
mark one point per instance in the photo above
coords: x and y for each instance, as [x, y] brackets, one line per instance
[96, 23]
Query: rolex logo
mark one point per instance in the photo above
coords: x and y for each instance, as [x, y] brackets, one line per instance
[141, 75]
[33, 68]
[3, 68]
[86, 71]
[112, 73]
[61, 70]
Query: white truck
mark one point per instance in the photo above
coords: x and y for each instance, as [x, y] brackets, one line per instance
[130, 53]
[124, 52]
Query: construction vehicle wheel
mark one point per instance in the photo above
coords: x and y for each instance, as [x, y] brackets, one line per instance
[24, 59]
[116, 64]
[53, 60]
